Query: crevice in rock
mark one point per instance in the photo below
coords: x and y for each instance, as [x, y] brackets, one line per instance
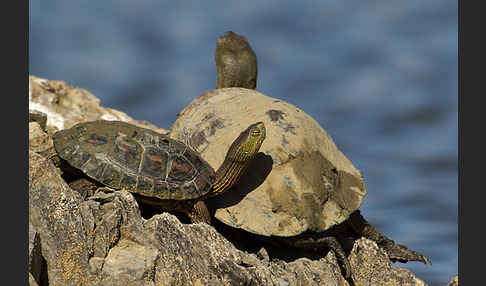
[103, 264]
[147, 211]
[117, 236]
[110, 247]
[245, 264]
[153, 271]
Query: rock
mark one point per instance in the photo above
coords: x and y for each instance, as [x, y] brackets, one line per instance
[39, 141]
[378, 270]
[54, 213]
[263, 255]
[103, 239]
[454, 281]
[310, 184]
[116, 239]
[39, 117]
[65, 105]
[204, 257]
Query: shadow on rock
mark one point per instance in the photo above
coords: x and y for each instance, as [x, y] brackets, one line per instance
[252, 178]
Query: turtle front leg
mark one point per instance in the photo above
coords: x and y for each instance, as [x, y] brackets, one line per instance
[84, 186]
[317, 242]
[199, 212]
[395, 251]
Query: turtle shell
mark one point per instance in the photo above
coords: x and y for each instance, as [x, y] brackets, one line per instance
[309, 185]
[123, 156]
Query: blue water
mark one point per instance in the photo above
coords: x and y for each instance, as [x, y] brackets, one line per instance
[379, 76]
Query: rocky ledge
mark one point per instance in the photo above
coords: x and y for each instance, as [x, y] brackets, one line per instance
[103, 239]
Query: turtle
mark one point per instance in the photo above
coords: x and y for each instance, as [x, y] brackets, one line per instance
[305, 193]
[156, 169]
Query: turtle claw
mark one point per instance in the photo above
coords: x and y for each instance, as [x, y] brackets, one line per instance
[398, 252]
[395, 251]
[331, 242]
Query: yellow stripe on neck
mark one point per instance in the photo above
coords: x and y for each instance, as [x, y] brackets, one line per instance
[229, 179]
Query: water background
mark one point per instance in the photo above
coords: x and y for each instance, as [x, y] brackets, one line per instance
[379, 76]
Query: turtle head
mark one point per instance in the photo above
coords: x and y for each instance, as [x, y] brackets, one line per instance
[247, 144]
[238, 157]
[236, 62]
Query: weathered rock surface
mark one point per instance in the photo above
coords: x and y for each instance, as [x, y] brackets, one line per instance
[378, 270]
[39, 141]
[39, 117]
[104, 240]
[311, 185]
[66, 105]
[54, 213]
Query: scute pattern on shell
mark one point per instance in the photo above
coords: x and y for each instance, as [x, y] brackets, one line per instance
[124, 156]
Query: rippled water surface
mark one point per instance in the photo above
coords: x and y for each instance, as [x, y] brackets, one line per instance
[379, 76]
